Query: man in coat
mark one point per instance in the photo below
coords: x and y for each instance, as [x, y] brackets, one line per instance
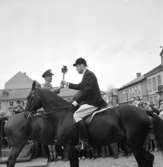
[88, 98]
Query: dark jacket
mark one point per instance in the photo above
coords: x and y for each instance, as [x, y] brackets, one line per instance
[89, 92]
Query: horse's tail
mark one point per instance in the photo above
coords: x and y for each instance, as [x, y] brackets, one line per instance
[158, 130]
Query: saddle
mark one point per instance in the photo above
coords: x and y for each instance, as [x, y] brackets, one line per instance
[88, 119]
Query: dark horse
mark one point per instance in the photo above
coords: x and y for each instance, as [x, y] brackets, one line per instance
[124, 123]
[22, 127]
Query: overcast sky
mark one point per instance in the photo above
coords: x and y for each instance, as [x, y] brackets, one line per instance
[118, 38]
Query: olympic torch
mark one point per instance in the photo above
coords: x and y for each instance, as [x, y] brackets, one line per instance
[64, 71]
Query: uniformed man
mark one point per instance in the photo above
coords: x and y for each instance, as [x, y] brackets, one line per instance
[47, 75]
[89, 97]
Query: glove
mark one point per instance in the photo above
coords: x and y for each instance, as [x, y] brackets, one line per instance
[75, 103]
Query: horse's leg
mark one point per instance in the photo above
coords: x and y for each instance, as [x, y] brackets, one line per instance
[14, 154]
[144, 158]
[72, 156]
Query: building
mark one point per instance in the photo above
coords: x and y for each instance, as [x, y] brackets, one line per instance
[112, 97]
[154, 79]
[145, 86]
[16, 89]
[136, 87]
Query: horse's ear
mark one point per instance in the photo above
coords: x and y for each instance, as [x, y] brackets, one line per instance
[34, 85]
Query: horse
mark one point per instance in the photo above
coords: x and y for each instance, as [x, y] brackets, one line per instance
[21, 127]
[4, 116]
[124, 123]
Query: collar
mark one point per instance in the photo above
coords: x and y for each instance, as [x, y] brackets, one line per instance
[84, 71]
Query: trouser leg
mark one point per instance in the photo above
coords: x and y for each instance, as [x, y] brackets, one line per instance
[83, 131]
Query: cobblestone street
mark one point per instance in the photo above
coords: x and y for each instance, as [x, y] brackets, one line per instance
[110, 162]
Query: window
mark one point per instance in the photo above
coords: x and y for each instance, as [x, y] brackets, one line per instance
[149, 85]
[154, 83]
[11, 103]
[22, 103]
[159, 80]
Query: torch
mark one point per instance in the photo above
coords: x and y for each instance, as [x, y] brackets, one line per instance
[64, 70]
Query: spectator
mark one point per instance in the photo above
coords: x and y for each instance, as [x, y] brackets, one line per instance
[19, 107]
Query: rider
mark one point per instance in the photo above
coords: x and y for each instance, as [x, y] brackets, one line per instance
[88, 98]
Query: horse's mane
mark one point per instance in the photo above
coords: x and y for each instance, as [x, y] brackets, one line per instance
[53, 98]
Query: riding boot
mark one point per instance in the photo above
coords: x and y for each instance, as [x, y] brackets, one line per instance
[83, 133]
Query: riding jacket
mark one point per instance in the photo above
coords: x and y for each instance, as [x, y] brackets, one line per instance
[89, 92]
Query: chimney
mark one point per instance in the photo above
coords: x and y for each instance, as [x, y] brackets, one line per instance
[161, 54]
[138, 74]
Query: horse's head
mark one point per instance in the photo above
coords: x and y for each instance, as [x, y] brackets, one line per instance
[33, 99]
[45, 98]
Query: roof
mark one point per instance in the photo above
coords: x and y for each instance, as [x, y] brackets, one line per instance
[19, 81]
[12, 94]
[139, 79]
[154, 71]
[133, 82]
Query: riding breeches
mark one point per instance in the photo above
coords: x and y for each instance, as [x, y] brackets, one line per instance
[83, 111]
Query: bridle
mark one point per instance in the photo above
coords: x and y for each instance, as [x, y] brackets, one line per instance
[31, 112]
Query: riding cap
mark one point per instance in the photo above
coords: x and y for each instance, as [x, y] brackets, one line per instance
[80, 61]
[47, 73]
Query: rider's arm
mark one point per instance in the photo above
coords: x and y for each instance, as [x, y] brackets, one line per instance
[87, 86]
[74, 86]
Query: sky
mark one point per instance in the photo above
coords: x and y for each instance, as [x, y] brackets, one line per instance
[118, 38]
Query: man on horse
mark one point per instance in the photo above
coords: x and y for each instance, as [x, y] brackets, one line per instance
[88, 98]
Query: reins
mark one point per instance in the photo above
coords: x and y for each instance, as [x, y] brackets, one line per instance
[30, 115]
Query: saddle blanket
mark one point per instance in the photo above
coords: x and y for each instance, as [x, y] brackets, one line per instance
[90, 117]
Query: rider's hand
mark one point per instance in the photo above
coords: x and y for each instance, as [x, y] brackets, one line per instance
[75, 103]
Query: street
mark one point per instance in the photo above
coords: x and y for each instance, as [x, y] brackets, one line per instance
[110, 162]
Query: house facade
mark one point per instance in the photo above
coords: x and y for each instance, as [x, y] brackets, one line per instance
[145, 86]
[154, 79]
[134, 88]
[16, 89]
